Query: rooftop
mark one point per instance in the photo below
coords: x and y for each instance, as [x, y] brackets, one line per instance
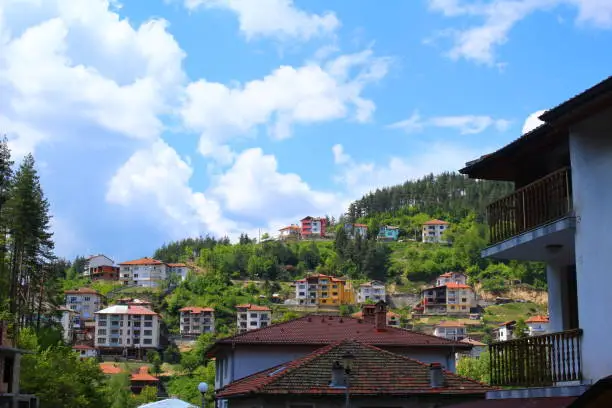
[323, 330]
[453, 285]
[196, 310]
[374, 372]
[254, 308]
[127, 309]
[143, 261]
[390, 314]
[82, 291]
[143, 375]
[110, 368]
[473, 342]
[537, 319]
[436, 222]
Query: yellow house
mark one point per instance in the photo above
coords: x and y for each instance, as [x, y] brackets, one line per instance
[324, 290]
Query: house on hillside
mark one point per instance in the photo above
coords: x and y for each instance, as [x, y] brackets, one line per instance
[10, 365]
[477, 348]
[433, 231]
[448, 297]
[179, 269]
[324, 290]
[353, 230]
[94, 263]
[451, 277]
[558, 215]
[537, 325]
[196, 320]
[67, 320]
[85, 351]
[250, 352]
[127, 329]
[372, 377]
[373, 291]
[313, 227]
[145, 272]
[84, 303]
[142, 379]
[388, 233]
[251, 317]
[290, 232]
[450, 330]
[504, 331]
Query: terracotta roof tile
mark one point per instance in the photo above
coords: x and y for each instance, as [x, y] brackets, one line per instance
[196, 310]
[82, 347]
[436, 222]
[254, 308]
[110, 369]
[390, 314]
[143, 261]
[177, 265]
[82, 291]
[453, 285]
[143, 375]
[473, 342]
[323, 330]
[450, 324]
[374, 372]
[537, 319]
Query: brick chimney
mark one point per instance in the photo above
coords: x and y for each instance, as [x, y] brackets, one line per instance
[380, 315]
[368, 313]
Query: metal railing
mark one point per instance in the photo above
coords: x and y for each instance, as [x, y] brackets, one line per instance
[537, 361]
[543, 201]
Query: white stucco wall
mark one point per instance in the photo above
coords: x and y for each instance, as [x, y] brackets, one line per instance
[591, 159]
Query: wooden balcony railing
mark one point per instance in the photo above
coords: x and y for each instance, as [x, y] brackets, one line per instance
[537, 361]
[538, 203]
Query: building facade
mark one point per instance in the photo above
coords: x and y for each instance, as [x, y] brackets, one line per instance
[179, 269]
[448, 297]
[451, 330]
[313, 227]
[371, 291]
[451, 277]
[145, 272]
[10, 368]
[353, 230]
[127, 327]
[537, 325]
[67, 321]
[433, 231]
[504, 331]
[197, 320]
[290, 232]
[324, 290]
[388, 233]
[84, 302]
[251, 317]
[85, 351]
[104, 272]
[94, 262]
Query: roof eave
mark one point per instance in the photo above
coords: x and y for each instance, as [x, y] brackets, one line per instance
[580, 102]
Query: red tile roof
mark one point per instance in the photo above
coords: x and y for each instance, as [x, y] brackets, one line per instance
[254, 308]
[82, 347]
[177, 265]
[109, 368]
[537, 319]
[323, 330]
[508, 323]
[143, 375]
[196, 310]
[374, 372]
[290, 227]
[436, 222]
[143, 261]
[450, 324]
[453, 285]
[82, 291]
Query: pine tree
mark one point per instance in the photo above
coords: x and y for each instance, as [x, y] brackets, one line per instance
[6, 180]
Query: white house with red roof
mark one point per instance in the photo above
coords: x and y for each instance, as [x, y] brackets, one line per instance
[95, 261]
[373, 290]
[251, 317]
[179, 269]
[127, 327]
[450, 330]
[85, 351]
[538, 325]
[145, 272]
[451, 277]
[450, 296]
[196, 320]
[256, 350]
[433, 231]
[289, 232]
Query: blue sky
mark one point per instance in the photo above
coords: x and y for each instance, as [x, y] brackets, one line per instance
[161, 119]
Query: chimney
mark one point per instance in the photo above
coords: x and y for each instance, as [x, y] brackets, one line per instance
[380, 318]
[436, 377]
[337, 375]
[368, 314]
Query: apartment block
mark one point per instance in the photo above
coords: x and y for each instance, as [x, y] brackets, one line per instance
[197, 320]
[121, 327]
[251, 317]
[84, 302]
[313, 227]
[373, 290]
[324, 290]
[93, 262]
[433, 231]
[145, 272]
[178, 269]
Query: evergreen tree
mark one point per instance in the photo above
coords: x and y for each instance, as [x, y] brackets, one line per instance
[6, 180]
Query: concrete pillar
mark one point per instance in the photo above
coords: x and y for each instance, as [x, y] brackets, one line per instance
[16, 376]
[554, 277]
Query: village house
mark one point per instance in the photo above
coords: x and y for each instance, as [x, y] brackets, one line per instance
[450, 296]
[145, 272]
[10, 366]
[558, 215]
[388, 233]
[373, 290]
[196, 320]
[433, 231]
[84, 302]
[94, 262]
[290, 232]
[537, 325]
[66, 319]
[251, 317]
[351, 373]
[126, 327]
[142, 379]
[354, 230]
[477, 348]
[324, 290]
[450, 330]
[178, 269]
[504, 331]
[85, 351]
[104, 272]
[313, 227]
[250, 352]
[368, 314]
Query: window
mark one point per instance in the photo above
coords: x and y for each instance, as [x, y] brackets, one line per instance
[148, 317]
[148, 324]
[302, 294]
[253, 315]
[72, 307]
[101, 340]
[102, 323]
[253, 323]
[147, 341]
[148, 332]
[87, 298]
[102, 332]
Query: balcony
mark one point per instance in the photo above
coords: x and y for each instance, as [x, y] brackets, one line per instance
[541, 202]
[538, 361]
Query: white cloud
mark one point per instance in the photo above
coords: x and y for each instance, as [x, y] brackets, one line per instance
[340, 157]
[66, 63]
[478, 42]
[465, 125]
[359, 178]
[533, 121]
[309, 94]
[273, 18]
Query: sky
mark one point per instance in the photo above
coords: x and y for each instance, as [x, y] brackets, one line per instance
[156, 120]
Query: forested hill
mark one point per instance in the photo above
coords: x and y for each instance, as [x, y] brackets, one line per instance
[450, 193]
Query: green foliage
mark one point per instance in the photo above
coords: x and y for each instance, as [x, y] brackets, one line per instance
[186, 387]
[118, 391]
[521, 330]
[147, 394]
[476, 368]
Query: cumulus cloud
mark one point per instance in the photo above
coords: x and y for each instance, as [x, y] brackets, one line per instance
[533, 121]
[478, 42]
[273, 18]
[465, 125]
